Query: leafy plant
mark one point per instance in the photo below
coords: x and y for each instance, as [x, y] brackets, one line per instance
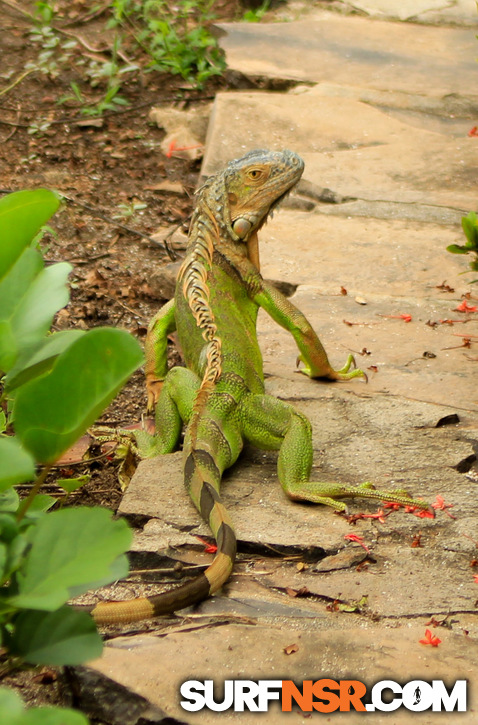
[177, 40]
[12, 711]
[254, 16]
[54, 386]
[470, 228]
[126, 211]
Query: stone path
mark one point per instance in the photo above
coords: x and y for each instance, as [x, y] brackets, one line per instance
[382, 126]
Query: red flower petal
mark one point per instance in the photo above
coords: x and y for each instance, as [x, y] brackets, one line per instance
[465, 307]
[430, 639]
[358, 540]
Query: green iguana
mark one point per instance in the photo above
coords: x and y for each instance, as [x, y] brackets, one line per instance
[220, 393]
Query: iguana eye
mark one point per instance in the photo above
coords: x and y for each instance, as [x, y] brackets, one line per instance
[254, 173]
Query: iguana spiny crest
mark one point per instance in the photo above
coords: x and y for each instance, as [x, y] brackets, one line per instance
[231, 207]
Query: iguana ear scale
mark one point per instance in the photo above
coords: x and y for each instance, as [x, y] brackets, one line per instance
[242, 227]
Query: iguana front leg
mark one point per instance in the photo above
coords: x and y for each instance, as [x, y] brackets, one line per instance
[156, 351]
[312, 352]
[287, 315]
[272, 424]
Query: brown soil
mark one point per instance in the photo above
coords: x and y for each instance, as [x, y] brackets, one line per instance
[104, 166]
[98, 167]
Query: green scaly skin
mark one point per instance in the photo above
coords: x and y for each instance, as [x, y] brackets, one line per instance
[220, 394]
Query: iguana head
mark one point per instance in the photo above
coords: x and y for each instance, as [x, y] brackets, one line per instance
[255, 184]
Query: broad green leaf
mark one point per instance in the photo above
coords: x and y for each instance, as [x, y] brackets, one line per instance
[16, 553]
[34, 312]
[26, 368]
[41, 503]
[22, 214]
[8, 526]
[16, 464]
[8, 347]
[52, 716]
[29, 308]
[470, 227]
[11, 706]
[72, 484]
[69, 548]
[9, 500]
[18, 279]
[3, 559]
[457, 249]
[53, 411]
[62, 637]
[118, 570]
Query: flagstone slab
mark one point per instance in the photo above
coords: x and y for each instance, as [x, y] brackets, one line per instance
[235, 651]
[462, 12]
[393, 442]
[157, 490]
[410, 360]
[449, 114]
[375, 158]
[395, 258]
[345, 49]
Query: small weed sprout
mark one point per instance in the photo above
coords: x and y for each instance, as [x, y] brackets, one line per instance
[469, 224]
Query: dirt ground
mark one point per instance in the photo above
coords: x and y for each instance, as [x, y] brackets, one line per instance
[108, 167]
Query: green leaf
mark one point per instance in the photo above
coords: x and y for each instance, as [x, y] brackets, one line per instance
[11, 706]
[3, 559]
[41, 503]
[34, 312]
[8, 347]
[21, 216]
[72, 484]
[62, 637]
[52, 716]
[16, 554]
[16, 464]
[69, 548]
[118, 570]
[9, 500]
[53, 411]
[457, 249]
[29, 297]
[470, 227]
[8, 526]
[29, 367]
[16, 282]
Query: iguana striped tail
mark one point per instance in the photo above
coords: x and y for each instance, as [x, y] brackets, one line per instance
[199, 467]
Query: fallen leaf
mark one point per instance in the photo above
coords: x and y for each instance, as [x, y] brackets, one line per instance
[76, 452]
[358, 540]
[417, 540]
[291, 649]
[171, 187]
[430, 639]
[465, 307]
[90, 123]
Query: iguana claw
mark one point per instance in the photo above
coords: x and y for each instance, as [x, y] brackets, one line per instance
[343, 374]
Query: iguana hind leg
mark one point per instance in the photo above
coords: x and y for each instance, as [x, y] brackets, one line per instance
[173, 408]
[272, 424]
